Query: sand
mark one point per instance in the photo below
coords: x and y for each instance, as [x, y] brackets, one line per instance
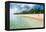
[35, 16]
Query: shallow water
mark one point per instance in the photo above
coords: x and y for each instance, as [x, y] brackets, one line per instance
[17, 22]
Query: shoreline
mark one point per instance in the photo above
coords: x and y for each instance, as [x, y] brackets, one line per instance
[35, 16]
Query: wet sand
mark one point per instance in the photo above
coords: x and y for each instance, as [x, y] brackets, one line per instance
[26, 21]
[35, 16]
[35, 20]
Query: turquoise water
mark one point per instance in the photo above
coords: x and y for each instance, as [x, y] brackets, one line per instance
[18, 22]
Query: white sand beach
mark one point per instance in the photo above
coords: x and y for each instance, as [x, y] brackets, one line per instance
[35, 20]
[27, 21]
[35, 16]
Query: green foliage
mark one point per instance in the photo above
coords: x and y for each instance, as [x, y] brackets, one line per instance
[32, 11]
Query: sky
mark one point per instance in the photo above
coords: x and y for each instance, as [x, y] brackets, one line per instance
[19, 7]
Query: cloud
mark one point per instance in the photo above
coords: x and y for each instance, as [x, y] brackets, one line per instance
[18, 7]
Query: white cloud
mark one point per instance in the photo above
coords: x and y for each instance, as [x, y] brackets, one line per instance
[18, 7]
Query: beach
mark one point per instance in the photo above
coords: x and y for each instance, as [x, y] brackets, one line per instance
[26, 21]
[35, 16]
